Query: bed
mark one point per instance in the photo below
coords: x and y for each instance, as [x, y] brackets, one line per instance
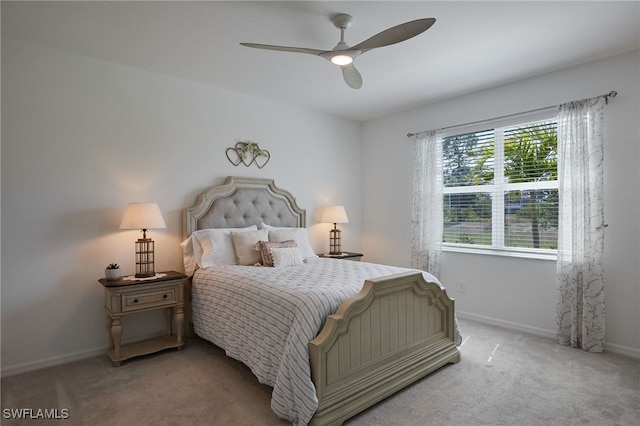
[332, 337]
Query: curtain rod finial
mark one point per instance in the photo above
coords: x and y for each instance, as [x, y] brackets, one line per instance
[611, 94]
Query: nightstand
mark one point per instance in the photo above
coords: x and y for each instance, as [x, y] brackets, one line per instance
[344, 255]
[129, 295]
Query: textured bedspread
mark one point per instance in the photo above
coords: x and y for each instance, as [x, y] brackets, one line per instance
[265, 317]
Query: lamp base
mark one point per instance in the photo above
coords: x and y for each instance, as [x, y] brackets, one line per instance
[144, 258]
[334, 241]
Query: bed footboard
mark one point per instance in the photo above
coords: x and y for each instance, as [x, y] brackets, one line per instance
[398, 329]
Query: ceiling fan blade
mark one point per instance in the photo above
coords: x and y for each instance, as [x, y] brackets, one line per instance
[284, 48]
[351, 76]
[396, 34]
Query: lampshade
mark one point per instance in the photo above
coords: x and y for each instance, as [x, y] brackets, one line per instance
[335, 214]
[142, 216]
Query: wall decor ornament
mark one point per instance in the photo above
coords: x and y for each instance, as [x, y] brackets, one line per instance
[247, 153]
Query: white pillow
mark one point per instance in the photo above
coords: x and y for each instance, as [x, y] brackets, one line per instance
[217, 246]
[191, 254]
[299, 235]
[286, 256]
[244, 244]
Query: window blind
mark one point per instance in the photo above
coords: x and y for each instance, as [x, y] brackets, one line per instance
[500, 187]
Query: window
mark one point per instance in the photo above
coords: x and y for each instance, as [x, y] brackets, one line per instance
[501, 189]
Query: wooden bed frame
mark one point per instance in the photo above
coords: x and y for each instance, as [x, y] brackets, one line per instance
[398, 329]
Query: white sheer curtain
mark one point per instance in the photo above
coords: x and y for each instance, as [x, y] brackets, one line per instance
[580, 271]
[426, 220]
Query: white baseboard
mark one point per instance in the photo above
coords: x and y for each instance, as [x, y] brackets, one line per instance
[609, 347]
[622, 350]
[507, 324]
[62, 359]
[50, 362]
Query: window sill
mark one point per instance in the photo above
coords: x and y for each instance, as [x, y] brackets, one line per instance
[528, 254]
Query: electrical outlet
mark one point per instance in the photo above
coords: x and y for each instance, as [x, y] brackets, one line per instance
[461, 286]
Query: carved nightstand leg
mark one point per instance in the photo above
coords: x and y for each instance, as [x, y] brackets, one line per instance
[116, 336]
[179, 314]
[109, 324]
[169, 315]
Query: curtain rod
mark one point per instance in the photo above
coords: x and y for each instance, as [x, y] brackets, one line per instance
[611, 94]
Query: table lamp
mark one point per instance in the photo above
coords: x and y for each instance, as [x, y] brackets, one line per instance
[143, 216]
[335, 215]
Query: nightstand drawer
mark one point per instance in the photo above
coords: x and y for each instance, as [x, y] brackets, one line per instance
[148, 299]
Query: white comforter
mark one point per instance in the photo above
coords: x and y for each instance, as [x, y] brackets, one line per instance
[265, 317]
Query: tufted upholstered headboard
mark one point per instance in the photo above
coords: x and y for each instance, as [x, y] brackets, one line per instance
[241, 202]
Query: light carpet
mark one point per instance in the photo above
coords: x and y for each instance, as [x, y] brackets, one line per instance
[505, 378]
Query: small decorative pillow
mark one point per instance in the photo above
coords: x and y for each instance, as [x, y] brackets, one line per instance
[299, 235]
[286, 256]
[265, 248]
[244, 245]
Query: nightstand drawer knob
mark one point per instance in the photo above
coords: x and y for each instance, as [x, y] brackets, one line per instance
[135, 300]
[165, 296]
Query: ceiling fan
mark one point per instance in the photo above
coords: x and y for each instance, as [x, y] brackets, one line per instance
[344, 56]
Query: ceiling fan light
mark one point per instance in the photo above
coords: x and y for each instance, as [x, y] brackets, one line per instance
[342, 60]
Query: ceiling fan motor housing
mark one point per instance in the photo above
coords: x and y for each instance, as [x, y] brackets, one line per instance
[342, 20]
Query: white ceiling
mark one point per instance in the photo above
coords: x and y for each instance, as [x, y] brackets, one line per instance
[472, 46]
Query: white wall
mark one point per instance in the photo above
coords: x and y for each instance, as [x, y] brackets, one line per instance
[81, 138]
[518, 292]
